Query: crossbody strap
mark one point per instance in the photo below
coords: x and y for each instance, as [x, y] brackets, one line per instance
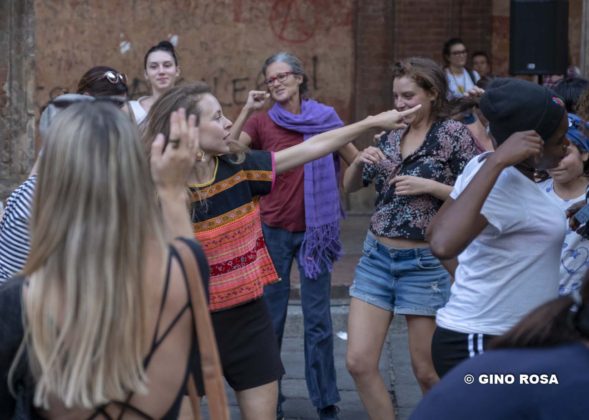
[207, 344]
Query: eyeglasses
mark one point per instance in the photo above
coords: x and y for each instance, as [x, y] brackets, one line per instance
[114, 77]
[281, 77]
[461, 52]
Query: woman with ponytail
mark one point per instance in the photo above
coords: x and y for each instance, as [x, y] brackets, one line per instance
[161, 72]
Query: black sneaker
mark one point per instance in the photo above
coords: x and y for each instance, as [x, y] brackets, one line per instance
[328, 413]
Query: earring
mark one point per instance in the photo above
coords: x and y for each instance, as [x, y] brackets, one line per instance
[200, 156]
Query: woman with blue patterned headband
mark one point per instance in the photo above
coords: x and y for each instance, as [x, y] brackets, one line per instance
[567, 185]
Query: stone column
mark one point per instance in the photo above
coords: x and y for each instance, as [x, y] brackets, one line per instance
[17, 88]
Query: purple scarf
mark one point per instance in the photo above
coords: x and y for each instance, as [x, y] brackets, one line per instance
[321, 244]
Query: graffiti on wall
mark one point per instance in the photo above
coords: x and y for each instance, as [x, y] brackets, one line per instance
[222, 42]
[230, 89]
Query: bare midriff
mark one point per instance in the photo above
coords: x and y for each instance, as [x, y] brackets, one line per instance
[401, 243]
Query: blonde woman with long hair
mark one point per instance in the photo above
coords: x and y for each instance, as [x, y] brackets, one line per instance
[225, 185]
[107, 318]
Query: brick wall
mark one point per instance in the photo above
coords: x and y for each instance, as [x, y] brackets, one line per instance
[348, 47]
[373, 57]
[422, 26]
[223, 42]
[373, 38]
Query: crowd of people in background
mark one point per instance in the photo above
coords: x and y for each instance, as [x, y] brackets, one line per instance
[475, 177]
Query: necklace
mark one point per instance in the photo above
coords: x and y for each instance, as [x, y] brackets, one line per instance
[210, 180]
[461, 87]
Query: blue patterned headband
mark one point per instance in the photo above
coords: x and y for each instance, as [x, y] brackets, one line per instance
[577, 133]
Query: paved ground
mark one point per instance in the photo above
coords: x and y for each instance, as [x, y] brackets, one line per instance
[394, 364]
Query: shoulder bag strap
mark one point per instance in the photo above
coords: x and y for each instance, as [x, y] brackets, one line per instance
[207, 344]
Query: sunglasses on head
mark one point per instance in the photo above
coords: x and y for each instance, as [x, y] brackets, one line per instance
[114, 77]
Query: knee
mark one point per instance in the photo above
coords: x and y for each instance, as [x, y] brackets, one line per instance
[359, 367]
[425, 374]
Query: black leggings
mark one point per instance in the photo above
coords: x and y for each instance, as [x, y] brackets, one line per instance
[449, 348]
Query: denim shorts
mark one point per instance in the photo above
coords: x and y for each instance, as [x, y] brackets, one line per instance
[403, 281]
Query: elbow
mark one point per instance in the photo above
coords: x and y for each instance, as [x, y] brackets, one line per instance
[441, 247]
[442, 252]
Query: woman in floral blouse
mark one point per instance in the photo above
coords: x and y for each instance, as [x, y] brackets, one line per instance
[413, 169]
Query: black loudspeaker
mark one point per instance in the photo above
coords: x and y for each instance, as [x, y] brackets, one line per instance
[538, 41]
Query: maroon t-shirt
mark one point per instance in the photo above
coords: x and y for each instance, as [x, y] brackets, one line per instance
[284, 207]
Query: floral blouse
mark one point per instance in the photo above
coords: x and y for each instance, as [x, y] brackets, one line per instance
[447, 148]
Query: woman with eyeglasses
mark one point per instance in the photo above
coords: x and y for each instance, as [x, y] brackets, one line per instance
[161, 71]
[460, 79]
[225, 190]
[98, 82]
[301, 215]
[102, 307]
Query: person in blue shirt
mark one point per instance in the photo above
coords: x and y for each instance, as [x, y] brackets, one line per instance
[537, 370]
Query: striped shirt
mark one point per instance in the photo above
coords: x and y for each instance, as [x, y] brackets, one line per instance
[14, 229]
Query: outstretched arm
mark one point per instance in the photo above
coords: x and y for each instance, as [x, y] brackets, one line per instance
[459, 221]
[328, 142]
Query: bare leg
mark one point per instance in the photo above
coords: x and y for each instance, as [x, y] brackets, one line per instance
[258, 403]
[421, 330]
[367, 330]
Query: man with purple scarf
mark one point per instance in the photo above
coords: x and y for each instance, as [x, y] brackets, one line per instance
[300, 217]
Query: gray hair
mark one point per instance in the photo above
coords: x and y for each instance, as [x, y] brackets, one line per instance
[296, 66]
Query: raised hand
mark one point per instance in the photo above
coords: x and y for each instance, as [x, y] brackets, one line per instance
[256, 99]
[518, 147]
[369, 155]
[173, 160]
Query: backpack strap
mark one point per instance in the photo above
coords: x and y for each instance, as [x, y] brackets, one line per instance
[471, 75]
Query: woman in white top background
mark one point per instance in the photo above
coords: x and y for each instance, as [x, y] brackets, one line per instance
[460, 79]
[161, 72]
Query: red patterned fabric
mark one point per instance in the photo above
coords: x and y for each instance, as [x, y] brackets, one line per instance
[228, 226]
